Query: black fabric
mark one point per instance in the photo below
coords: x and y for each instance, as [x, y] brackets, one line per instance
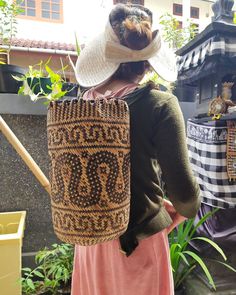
[207, 152]
[213, 64]
[217, 53]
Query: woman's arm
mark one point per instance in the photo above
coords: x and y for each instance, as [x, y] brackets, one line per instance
[172, 154]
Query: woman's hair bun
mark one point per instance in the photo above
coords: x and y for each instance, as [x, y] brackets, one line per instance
[132, 25]
[137, 34]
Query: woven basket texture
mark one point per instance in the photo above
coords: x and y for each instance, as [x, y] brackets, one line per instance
[89, 150]
[217, 106]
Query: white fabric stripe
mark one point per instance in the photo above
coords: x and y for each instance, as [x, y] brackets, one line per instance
[222, 45]
[210, 174]
[220, 148]
[208, 161]
[209, 195]
[196, 58]
[217, 188]
[209, 48]
[217, 45]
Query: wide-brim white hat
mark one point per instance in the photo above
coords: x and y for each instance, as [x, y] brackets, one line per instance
[102, 56]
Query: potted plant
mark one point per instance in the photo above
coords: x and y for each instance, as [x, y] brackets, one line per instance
[184, 260]
[40, 81]
[53, 271]
[8, 12]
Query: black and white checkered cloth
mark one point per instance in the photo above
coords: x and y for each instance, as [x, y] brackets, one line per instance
[207, 151]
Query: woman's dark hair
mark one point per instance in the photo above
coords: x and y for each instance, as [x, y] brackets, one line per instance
[132, 26]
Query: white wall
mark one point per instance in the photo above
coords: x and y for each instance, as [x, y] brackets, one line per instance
[82, 16]
[161, 7]
[87, 17]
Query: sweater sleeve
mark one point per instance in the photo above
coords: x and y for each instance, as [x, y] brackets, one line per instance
[170, 143]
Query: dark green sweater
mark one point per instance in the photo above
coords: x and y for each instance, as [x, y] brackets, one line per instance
[158, 144]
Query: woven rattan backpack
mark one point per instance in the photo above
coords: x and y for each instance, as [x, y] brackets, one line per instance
[89, 150]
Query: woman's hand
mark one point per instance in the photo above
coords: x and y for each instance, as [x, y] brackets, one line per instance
[175, 216]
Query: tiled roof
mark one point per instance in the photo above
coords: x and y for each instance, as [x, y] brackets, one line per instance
[42, 44]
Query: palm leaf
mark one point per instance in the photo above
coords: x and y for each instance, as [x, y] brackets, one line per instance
[213, 244]
[202, 220]
[203, 266]
[183, 257]
[226, 265]
[77, 45]
[185, 274]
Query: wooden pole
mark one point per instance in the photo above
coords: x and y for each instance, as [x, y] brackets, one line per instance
[26, 157]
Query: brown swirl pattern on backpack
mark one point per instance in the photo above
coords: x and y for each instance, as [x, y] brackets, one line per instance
[89, 151]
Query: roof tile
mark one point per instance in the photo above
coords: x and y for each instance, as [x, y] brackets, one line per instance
[42, 44]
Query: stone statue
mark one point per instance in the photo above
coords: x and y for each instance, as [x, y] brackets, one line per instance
[223, 10]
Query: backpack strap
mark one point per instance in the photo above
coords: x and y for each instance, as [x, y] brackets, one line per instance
[137, 94]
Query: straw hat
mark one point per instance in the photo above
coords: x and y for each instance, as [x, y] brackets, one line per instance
[101, 57]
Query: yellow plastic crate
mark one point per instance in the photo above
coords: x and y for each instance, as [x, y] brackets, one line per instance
[11, 235]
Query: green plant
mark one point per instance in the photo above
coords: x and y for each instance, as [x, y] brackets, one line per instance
[53, 271]
[173, 34]
[77, 46]
[8, 11]
[183, 260]
[34, 85]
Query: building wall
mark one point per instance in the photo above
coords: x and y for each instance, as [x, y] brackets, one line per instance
[88, 17]
[24, 59]
[83, 17]
[162, 7]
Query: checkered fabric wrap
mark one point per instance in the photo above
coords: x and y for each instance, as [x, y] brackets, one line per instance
[215, 46]
[207, 151]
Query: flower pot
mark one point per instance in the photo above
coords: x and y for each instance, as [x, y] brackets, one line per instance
[11, 235]
[40, 84]
[7, 83]
[71, 88]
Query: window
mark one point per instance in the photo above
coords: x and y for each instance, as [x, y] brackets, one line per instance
[140, 2]
[177, 9]
[194, 12]
[45, 10]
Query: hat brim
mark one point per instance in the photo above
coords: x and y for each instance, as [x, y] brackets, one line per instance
[164, 63]
[92, 68]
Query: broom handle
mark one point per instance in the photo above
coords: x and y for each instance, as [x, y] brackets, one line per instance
[14, 141]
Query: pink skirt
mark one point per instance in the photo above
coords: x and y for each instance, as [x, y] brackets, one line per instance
[103, 270]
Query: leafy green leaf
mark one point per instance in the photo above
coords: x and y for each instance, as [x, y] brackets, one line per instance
[213, 244]
[26, 269]
[184, 275]
[226, 265]
[202, 220]
[30, 284]
[38, 274]
[17, 78]
[203, 266]
[183, 257]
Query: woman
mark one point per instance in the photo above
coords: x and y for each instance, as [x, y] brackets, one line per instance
[115, 62]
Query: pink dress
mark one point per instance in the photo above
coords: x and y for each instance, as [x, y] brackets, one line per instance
[103, 270]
